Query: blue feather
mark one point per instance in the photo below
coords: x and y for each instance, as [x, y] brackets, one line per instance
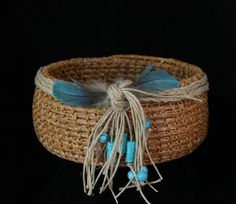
[73, 94]
[155, 80]
[145, 72]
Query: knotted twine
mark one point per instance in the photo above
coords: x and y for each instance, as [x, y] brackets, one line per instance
[123, 98]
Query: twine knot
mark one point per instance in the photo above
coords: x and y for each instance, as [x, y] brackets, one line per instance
[116, 95]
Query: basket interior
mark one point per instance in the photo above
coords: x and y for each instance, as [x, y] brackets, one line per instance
[127, 66]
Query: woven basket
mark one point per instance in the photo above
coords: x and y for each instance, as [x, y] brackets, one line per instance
[177, 128]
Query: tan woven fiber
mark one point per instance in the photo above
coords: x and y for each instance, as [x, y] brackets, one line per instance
[177, 128]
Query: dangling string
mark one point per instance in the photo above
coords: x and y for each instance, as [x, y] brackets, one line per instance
[117, 119]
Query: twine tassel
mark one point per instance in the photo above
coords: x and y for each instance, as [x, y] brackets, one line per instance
[116, 120]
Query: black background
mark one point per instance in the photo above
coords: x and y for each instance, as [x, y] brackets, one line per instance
[201, 33]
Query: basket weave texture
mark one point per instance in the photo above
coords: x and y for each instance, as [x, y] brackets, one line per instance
[177, 128]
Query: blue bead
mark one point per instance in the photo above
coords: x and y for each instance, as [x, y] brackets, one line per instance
[142, 176]
[103, 138]
[130, 151]
[130, 175]
[123, 149]
[144, 168]
[109, 148]
[147, 123]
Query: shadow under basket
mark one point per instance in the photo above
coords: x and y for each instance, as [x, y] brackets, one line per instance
[177, 128]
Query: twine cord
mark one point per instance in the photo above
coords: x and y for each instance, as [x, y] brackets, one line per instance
[120, 98]
[42, 82]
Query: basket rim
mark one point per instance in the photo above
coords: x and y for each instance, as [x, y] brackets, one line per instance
[171, 61]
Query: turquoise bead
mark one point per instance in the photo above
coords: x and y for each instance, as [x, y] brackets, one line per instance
[147, 123]
[142, 176]
[109, 148]
[103, 138]
[130, 175]
[130, 151]
[123, 145]
[144, 168]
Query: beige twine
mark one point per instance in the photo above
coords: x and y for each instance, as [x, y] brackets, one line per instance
[114, 120]
[190, 91]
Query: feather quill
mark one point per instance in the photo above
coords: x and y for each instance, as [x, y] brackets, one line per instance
[155, 80]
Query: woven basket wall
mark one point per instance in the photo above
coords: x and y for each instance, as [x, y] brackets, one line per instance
[177, 128]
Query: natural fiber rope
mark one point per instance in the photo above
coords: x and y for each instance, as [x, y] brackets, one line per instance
[117, 114]
[190, 91]
[185, 92]
[43, 83]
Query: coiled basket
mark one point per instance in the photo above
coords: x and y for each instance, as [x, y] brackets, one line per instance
[177, 127]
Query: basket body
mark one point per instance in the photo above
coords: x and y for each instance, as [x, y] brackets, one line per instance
[177, 128]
